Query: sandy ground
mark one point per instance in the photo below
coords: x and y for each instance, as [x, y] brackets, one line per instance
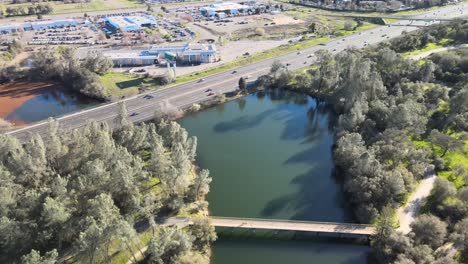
[407, 213]
[14, 94]
[253, 21]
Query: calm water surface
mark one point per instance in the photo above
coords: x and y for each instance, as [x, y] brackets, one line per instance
[50, 103]
[270, 157]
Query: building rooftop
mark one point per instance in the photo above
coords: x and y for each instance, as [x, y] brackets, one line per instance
[141, 20]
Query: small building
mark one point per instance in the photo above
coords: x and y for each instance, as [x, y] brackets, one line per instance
[132, 58]
[130, 23]
[189, 53]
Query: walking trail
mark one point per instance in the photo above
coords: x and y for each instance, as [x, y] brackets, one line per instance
[407, 213]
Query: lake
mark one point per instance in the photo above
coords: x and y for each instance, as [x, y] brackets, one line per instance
[270, 156]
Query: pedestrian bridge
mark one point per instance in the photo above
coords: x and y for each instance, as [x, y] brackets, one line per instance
[339, 229]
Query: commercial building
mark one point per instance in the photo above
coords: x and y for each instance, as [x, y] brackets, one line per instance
[188, 53]
[185, 54]
[40, 25]
[224, 8]
[130, 23]
[132, 58]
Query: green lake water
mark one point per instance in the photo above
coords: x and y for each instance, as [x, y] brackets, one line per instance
[270, 156]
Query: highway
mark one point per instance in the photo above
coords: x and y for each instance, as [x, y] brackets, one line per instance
[186, 94]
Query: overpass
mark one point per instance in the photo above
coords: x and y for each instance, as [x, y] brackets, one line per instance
[325, 228]
[424, 19]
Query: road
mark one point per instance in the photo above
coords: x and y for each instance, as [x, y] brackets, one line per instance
[186, 94]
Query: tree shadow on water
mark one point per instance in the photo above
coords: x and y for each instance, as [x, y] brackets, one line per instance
[315, 199]
[243, 122]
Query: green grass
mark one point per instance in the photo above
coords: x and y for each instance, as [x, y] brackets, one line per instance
[94, 5]
[123, 84]
[451, 160]
[428, 47]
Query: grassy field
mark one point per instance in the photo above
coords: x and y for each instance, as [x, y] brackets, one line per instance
[122, 84]
[94, 5]
[452, 159]
[428, 47]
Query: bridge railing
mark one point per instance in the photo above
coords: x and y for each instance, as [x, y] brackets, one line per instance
[292, 221]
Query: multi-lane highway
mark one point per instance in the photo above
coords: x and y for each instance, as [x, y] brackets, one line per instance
[181, 96]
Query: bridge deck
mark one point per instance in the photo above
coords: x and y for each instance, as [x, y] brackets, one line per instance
[305, 226]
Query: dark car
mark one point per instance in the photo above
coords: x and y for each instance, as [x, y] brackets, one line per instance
[134, 114]
[210, 94]
[209, 90]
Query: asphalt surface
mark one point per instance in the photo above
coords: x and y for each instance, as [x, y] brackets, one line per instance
[142, 108]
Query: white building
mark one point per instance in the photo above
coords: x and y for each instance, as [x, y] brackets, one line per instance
[224, 8]
[188, 53]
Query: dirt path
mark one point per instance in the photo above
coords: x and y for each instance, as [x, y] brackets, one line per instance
[407, 213]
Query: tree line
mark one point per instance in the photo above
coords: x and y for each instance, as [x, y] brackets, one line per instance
[35, 9]
[62, 65]
[383, 104]
[80, 193]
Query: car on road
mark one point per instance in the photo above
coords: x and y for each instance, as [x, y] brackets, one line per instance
[201, 80]
[210, 94]
[310, 56]
[234, 71]
[134, 114]
[299, 52]
[148, 96]
[208, 90]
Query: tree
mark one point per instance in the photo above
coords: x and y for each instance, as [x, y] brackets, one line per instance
[460, 236]
[168, 244]
[192, 258]
[34, 257]
[429, 230]
[200, 186]
[312, 27]
[4, 125]
[446, 142]
[203, 233]
[242, 85]
[348, 25]
[97, 63]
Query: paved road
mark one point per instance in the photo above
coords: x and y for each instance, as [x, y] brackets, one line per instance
[186, 94]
